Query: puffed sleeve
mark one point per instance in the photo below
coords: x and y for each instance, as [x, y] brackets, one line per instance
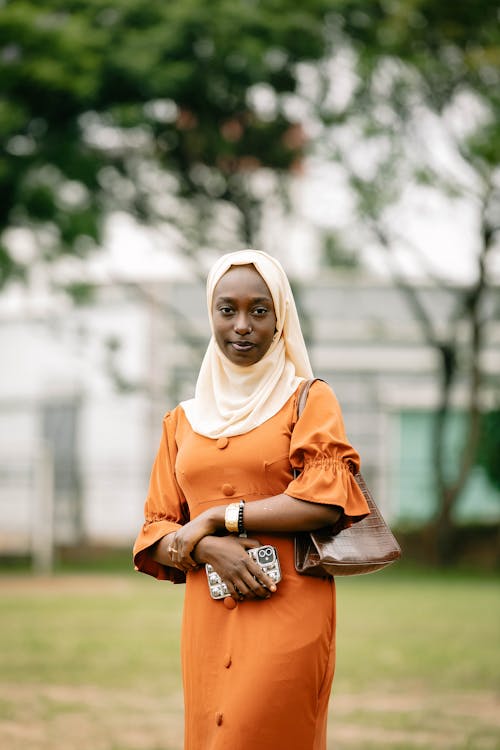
[165, 508]
[327, 462]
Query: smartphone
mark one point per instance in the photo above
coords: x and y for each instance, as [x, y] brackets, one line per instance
[265, 556]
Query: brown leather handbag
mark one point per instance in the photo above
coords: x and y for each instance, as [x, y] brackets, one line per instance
[366, 546]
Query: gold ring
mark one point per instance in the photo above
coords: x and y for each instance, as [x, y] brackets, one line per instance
[172, 549]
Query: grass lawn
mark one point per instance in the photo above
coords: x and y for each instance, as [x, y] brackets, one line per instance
[91, 662]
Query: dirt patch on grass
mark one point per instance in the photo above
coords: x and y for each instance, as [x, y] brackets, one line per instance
[476, 705]
[425, 720]
[69, 584]
[39, 716]
[55, 717]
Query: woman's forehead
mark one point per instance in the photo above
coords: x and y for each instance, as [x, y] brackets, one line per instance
[244, 279]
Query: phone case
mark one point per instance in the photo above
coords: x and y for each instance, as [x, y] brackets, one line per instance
[265, 556]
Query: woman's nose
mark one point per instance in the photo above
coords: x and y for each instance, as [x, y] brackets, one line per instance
[242, 324]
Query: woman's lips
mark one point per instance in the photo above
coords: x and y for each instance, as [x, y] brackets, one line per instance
[242, 346]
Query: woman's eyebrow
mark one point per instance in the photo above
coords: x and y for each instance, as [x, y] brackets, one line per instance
[254, 299]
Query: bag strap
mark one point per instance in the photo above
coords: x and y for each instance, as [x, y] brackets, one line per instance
[303, 394]
[305, 387]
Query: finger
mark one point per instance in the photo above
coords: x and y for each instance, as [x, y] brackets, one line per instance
[261, 577]
[241, 584]
[243, 591]
[188, 562]
[234, 592]
[253, 587]
[251, 580]
[248, 543]
[182, 555]
[187, 567]
[173, 547]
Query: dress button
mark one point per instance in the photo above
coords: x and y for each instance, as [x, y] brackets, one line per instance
[228, 490]
[222, 443]
[227, 661]
[230, 603]
[218, 718]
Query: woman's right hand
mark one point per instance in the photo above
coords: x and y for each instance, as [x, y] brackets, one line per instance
[228, 556]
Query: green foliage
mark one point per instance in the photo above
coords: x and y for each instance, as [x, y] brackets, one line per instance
[416, 57]
[89, 85]
[81, 293]
[336, 254]
[451, 45]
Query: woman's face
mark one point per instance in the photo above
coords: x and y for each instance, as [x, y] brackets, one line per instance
[243, 315]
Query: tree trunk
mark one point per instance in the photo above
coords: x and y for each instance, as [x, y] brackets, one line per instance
[441, 530]
[449, 491]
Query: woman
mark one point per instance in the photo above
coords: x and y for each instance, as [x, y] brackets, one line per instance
[257, 665]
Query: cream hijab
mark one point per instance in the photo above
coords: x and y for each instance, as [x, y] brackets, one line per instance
[231, 399]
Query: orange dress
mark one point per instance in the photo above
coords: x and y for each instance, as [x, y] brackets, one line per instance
[257, 674]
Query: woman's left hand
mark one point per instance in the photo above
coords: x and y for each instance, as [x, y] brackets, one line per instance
[185, 539]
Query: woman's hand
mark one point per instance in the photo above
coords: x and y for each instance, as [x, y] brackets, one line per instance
[164, 552]
[244, 578]
[182, 542]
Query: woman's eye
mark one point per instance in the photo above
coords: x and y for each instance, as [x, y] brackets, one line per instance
[225, 310]
[260, 310]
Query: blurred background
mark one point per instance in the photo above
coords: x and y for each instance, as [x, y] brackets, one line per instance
[355, 140]
[358, 142]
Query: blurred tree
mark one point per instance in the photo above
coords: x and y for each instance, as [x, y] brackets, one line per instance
[335, 252]
[139, 106]
[423, 114]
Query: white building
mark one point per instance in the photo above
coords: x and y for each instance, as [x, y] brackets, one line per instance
[88, 386]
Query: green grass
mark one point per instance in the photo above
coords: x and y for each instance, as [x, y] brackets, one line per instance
[96, 658]
[421, 629]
